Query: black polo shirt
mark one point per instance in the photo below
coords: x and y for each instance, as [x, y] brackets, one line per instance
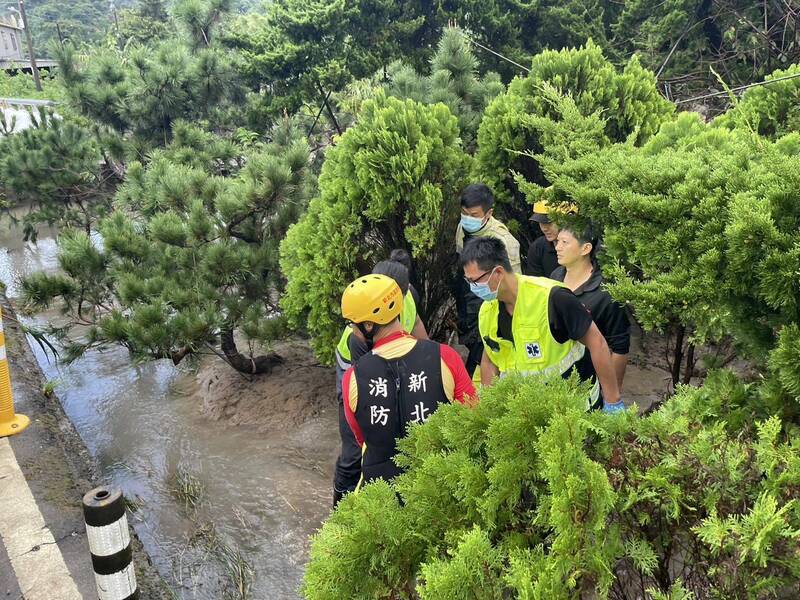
[609, 316]
[542, 259]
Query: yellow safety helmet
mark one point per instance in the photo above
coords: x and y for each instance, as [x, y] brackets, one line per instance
[373, 298]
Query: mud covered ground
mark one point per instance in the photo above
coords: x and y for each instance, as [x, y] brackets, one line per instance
[302, 390]
[295, 392]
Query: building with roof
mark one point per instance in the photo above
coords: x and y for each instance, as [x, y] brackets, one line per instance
[11, 36]
[12, 56]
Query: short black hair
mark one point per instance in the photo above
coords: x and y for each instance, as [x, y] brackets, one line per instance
[401, 256]
[487, 253]
[395, 270]
[477, 194]
[584, 231]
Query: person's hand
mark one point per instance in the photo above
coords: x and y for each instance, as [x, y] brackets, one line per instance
[614, 407]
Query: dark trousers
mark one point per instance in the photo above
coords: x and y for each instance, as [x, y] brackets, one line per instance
[474, 356]
[348, 464]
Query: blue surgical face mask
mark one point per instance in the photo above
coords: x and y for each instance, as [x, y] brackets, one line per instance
[482, 291]
[471, 224]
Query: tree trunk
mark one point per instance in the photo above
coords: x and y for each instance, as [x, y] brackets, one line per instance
[677, 355]
[690, 362]
[330, 110]
[243, 364]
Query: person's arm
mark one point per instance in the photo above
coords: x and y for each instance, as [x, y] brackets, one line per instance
[458, 384]
[419, 330]
[612, 321]
[620, 362]
[350, 400]
[488, 370]
[603, 367]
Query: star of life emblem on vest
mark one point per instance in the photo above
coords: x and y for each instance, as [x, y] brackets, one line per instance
[533, 349]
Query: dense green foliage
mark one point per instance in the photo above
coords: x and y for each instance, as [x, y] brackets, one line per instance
[81, 21]
[525, 495]
[190, 257]
[510, 133]
[391, 181]
[701, 229]
[302, 49]
[528, 495]
[453, 81]
[769, 110]
[22, 86]
[141, 96]
[84, 23]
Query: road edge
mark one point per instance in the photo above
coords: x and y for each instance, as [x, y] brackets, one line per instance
[84, 470]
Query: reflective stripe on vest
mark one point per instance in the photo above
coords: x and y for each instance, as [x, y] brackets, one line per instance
[408, 319]
[534, 350]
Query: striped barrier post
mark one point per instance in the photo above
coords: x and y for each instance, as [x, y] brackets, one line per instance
[110, 544]
[10, 422]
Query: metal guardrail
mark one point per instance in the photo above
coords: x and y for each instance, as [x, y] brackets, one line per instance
[25, 102]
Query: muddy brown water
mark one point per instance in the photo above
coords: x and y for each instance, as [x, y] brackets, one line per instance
[263, 494]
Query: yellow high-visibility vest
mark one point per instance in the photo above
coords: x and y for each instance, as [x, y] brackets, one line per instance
[534, 349]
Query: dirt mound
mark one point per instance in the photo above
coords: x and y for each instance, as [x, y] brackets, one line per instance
[293, 393]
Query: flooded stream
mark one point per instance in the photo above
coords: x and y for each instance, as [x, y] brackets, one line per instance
[261, 495]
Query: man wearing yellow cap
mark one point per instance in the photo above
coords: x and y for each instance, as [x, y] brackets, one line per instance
[542, 259]
[402, 380]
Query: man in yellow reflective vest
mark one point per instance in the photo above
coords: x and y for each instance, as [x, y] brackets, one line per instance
[349, 349]
[535, 325]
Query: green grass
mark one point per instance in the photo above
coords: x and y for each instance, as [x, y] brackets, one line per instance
[22, 86]
[187, 489]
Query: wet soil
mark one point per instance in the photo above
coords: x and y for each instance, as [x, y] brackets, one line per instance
[295, 392]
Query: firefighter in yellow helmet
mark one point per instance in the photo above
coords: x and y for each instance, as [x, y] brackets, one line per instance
[349, 349]
[402, 380]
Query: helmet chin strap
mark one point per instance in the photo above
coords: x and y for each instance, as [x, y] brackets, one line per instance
[368, 335]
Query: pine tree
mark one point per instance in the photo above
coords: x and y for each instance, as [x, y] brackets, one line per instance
[56, 169]
[189, 260]
[453, 81]
[138, 93]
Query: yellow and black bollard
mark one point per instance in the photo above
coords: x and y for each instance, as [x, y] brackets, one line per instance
[10, 422]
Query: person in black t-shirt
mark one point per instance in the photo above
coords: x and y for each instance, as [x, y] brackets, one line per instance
[576, 247]
[542, 258]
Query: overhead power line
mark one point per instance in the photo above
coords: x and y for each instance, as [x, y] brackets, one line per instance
[738, 89]
[505, 58]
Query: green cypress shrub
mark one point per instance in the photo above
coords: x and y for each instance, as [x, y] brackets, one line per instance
[391, 181]
[509, 137]
[768, 110]
[529, 496]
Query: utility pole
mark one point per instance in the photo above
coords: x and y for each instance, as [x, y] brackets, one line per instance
[113, 8]
[34, 68]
